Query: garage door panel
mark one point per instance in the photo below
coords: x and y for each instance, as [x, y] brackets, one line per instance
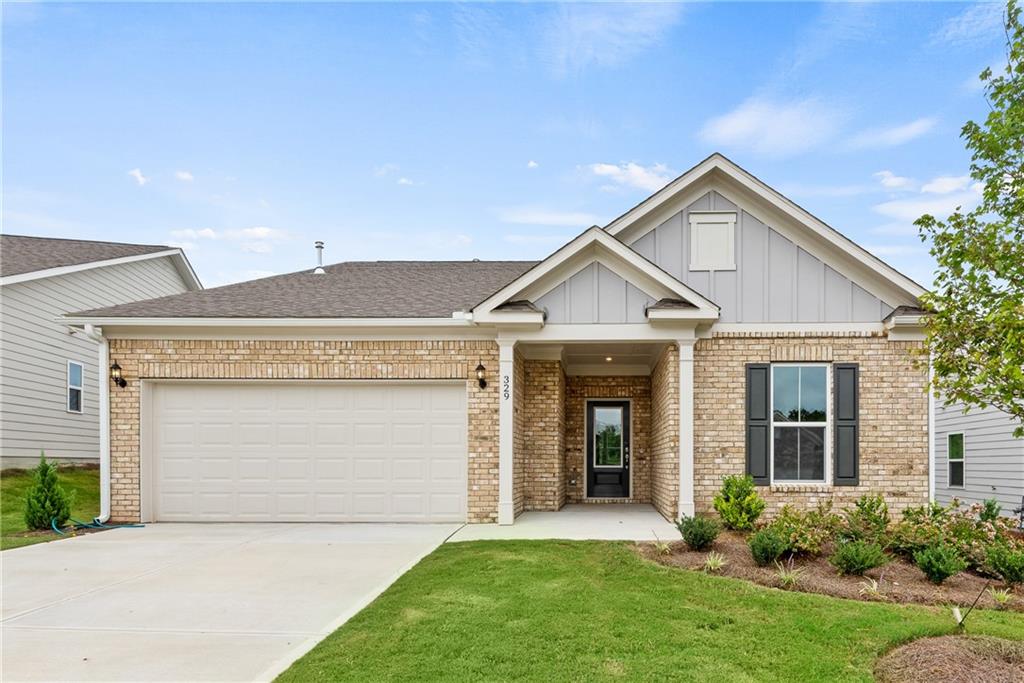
[291, 452]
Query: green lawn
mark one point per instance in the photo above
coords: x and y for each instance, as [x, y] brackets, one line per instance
[14, 484]
[561, 610]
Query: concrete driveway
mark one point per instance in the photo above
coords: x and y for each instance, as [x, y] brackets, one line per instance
[195, 602]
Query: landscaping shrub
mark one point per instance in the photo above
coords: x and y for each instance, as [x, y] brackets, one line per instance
[1007, 562]
[962, 528]
[738, 503]
[699, 532]
[856, 557]
[867, 520]
[939, 562]
[807, 532]
[990, 510]
[46, 500]
[767, 546]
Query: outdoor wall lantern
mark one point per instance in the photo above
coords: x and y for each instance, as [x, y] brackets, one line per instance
[115, 376]
[480, 375]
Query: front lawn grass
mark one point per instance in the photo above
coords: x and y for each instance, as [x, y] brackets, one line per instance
[564, 610]
[14, 486]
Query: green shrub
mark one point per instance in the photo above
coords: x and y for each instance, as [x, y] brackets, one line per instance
[856, 557]
[46, 500]
[807, 532]
[737, 502]
[699, 532]
[962, 528]
[939, 562]
[990, 510]
[867, 520]
[1007, 562]
[767, 546]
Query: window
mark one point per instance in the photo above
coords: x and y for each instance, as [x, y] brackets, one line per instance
[799, 423]
[955, 458]
[74, 387]
[712, 241]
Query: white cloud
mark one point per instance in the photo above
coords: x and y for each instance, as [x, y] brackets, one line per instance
[256, 233]
[891, 181]
[981, 22]
[946, 184]
[631, 174]
[405, 181]
[193, 234]
[532, 164]
[941, 206]
[184, 176]
[385, 170]
[526, 215]
[139, 178]
[773, 128]
[890, 136]
[530, 240]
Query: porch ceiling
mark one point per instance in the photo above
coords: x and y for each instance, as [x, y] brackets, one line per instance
[591, 358]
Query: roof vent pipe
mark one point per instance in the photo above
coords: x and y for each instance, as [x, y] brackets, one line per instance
[319, 270]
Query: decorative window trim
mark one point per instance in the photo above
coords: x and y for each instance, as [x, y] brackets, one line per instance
[826, 481]
[962, 460]
[80, 388]
[713, 217]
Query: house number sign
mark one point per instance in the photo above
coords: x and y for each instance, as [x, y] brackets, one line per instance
[506, 391]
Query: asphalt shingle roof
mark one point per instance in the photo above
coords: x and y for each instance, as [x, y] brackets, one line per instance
[22, 254]
[356, 289]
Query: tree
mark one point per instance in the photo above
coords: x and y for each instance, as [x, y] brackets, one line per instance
[975, 334]
[47, 503]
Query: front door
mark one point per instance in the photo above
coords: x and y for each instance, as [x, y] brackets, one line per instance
[608, 449]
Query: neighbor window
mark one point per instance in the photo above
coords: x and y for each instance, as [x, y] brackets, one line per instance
[955, 456]
[799, 423]
[713, 241]
[74, 387]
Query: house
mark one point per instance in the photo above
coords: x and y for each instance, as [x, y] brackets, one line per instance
[49, 388]
[977, 457]
[715, 328]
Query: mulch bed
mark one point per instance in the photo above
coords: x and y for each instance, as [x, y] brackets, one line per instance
[898, 581]
[52, 534]
[953, 659]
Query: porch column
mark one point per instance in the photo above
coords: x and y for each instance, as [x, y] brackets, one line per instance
[686, 505]
[506, 389]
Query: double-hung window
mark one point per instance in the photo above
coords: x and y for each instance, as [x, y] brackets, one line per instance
[74, 386]
[800, 419]
[955, 458]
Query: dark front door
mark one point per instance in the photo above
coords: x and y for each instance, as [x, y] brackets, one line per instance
[608, 449]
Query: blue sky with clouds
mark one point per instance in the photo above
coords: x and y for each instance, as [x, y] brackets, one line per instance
[244, 132]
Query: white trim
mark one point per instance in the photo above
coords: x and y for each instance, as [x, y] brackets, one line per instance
[506, 428]
[68, 386]
[586, 407]
[103, 404]
[906, 328]
[182, 265]
[607, 370]
[822, 328]
[827, 424]
[687, 434]
[962, 460]
[931, 429]
[638, 332]
[713, 218]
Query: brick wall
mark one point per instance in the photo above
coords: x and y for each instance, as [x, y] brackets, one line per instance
[544, 435]
[665, 433]
[893, 415]
[577, 390]
[216, 359]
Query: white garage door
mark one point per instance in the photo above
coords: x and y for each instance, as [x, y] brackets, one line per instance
[326, 452]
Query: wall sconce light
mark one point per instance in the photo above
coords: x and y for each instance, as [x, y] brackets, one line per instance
[480, 375]
[115, 376]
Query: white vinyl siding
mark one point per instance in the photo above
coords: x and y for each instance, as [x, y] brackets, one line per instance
[35, 347]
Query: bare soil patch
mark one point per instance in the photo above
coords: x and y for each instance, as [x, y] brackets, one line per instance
[898, 581]
[953, 659]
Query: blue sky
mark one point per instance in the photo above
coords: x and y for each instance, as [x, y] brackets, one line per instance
[244, 132]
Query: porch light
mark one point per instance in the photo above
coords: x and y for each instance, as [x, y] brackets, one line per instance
[481, 375]
[115, 376]
[607, 359]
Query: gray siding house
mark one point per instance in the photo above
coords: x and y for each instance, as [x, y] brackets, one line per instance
[977, 457]
[49, 378]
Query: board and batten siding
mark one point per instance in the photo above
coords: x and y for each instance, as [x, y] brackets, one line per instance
[595, 295]
[35, 349]
[774, 280]
[993, 458]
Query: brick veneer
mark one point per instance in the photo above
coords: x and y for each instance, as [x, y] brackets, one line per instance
[577, 390]
[665, 433]
[544, 435]
[252, 359]
[893, 415]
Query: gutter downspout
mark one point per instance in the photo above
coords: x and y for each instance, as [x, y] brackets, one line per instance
[96, 334]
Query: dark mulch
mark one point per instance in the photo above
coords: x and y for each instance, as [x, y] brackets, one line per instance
[898, 581]
[953, 659]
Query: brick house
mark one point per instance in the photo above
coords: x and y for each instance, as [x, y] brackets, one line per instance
[716, 328]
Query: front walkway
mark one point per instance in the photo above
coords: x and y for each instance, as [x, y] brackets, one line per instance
[580, 522]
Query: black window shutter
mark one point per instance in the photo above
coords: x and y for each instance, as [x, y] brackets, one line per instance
[847, 424]
[758, 423]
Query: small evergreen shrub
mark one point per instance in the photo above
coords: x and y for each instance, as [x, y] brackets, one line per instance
[856, 557]
[767, 546]
[1007, 562]
[698, 532]
[867, 520]
[939, 562]
[737, 502]
[46, 500]
[807, 532]
[990, 510]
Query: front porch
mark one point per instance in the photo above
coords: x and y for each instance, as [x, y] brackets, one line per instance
[579, 522]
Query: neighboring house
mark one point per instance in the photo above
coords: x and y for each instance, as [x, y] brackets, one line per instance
[977, 457]
[715, 328]
[49, 389]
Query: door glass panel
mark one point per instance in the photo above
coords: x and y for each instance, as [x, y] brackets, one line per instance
[608, 437]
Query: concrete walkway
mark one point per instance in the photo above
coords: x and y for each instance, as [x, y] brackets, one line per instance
[193, 602]
[611, 522]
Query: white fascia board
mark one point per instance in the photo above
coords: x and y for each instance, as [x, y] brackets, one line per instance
[526, 318]
[181, 264]
[905, 328]
[823, 329]
[625, 332]
[669, 314]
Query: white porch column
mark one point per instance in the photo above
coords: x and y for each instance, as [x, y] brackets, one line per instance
[506, 389]
[686, 506]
